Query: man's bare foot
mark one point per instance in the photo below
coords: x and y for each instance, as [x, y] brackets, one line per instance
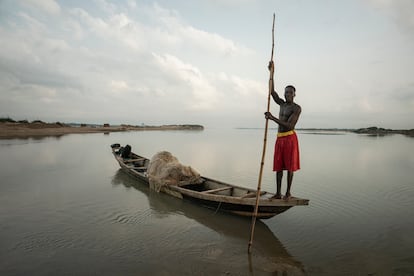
[287, 196]
[277, 196]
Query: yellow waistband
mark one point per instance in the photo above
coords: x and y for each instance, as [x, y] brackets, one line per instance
[287, 133]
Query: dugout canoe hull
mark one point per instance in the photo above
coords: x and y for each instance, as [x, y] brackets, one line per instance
[212, 193]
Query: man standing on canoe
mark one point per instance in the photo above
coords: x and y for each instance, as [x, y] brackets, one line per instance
[286, 156]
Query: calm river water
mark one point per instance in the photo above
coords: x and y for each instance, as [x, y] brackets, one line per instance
[67, 209]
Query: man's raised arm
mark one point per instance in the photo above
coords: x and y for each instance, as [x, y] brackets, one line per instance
[272, 91]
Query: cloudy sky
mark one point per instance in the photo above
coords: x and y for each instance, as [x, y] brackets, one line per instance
[204, 62]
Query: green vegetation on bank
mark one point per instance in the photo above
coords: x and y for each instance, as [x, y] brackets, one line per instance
[10, 120]
[40, 123]
[372, 131]
[382, 131]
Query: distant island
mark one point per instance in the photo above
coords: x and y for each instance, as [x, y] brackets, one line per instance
[374, 131]
[10, 128]
[382, 131]
[371, 131]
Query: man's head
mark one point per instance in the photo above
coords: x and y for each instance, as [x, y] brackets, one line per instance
[290, 93]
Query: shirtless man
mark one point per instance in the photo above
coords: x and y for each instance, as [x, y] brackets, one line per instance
[286, 155]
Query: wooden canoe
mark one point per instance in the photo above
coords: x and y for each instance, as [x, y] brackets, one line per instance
[212, 193]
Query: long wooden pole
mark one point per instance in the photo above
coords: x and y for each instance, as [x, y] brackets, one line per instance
[264, 146]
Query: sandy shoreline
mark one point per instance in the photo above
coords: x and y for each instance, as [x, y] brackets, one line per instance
[26, 130]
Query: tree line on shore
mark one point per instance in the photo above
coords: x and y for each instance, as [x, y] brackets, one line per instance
[10, 120]
[40, 123]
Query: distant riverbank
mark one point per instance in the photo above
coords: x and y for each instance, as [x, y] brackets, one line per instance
[22, 129]
[382, 131]
[372, 131]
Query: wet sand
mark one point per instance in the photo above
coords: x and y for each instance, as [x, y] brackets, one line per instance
[40, 129]
[16, 130]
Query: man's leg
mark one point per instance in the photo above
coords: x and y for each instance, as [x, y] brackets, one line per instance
[279, 176]
[289, 184]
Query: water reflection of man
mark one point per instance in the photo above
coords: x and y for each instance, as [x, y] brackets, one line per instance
[286, 155]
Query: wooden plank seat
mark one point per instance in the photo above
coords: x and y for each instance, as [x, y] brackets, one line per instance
[137, 168]
[216, 190]
[133, 160]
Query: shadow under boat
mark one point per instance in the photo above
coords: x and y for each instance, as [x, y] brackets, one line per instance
[265, 243]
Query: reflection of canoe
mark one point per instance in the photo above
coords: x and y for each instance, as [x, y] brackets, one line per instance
[270, 253]
[212, 193]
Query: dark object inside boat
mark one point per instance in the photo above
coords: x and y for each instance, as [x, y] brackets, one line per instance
[126, 151]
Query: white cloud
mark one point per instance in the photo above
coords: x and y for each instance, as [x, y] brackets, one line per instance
[90, 62]
[400, 11]
[118, 85]
[106, 6]
[201, 94]
[94, 25]
[231, 3]
[132, 4]
[48, 6]
[190, 37]
[159, 66]
[32, 23]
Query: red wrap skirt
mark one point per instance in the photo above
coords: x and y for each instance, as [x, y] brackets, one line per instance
[286, 156]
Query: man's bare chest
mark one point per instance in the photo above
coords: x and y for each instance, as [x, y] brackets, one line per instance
[286, 111]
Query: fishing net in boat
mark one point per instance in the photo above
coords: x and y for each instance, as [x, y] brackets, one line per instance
[165, 169]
